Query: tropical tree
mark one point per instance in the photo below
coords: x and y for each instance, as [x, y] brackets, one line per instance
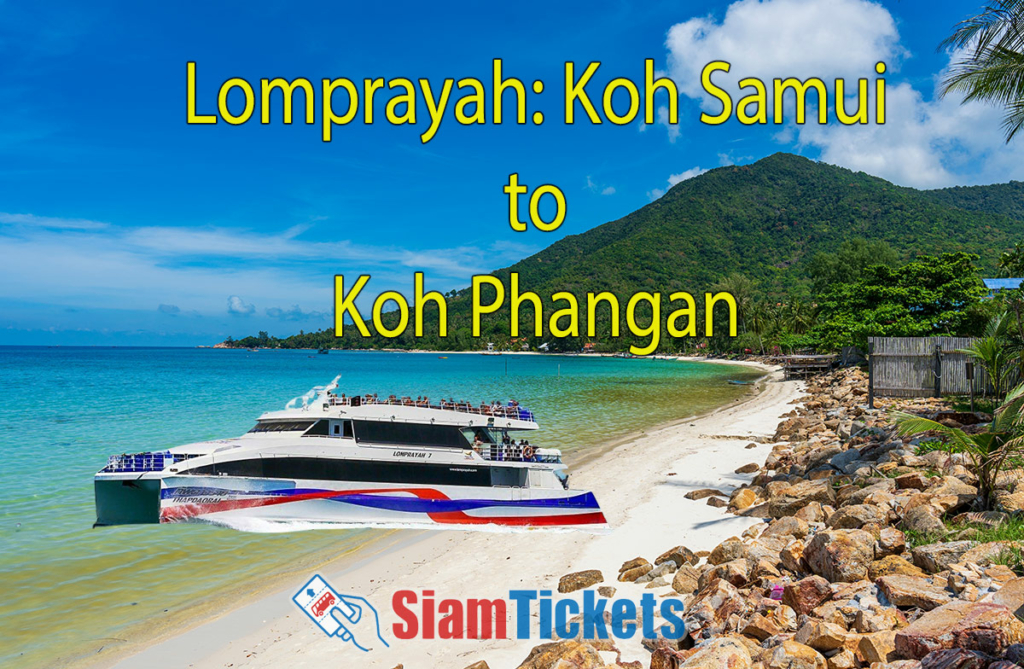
[994, 352]
[929, 296]
[848, 262]
[987, 452]
[990, 62]
[1011, 263]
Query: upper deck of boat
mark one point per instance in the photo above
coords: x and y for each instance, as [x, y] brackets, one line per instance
[368, 407]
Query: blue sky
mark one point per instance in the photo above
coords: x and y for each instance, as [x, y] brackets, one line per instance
[120, 224]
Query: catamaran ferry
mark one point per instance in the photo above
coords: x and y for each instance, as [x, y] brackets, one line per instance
[355, 460]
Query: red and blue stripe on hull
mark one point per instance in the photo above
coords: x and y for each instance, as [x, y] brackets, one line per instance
[580, 509]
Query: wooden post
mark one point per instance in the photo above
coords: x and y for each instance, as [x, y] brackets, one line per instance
[871, 376]
[969, 370]
[938, 371]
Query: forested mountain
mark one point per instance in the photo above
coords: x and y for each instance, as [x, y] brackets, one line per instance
[1007, 199]
[765, 221]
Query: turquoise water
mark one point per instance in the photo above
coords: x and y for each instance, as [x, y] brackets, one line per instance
[70, 589]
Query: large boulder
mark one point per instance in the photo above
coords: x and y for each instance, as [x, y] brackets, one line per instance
[789, 500]
[955, 658]
[793, 655]
[857, 495]
[807, 594]
[563, 654]
[731, 549]
[686, 580]
[841, 556]
[982, 626]
[1011, 595]
[934, 558]
[787, 526]
[736, 572]
[717, 654]
[986, 553]
[923, 519]
[680, 555]
[914, 591]
[890, 542]
[951, 485]
[892, 564]
[856, 516]
[877, 647]
[579, 580]
[633, 569]
[821, 636]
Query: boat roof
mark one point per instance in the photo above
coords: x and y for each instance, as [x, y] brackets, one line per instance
[324, 402]
[511, 418]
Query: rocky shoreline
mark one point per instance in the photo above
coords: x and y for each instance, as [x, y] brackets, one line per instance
[840, 574]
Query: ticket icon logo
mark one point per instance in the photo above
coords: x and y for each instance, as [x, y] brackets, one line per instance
[348, 617]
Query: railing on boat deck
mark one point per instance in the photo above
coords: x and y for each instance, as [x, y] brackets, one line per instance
[507, 453]
[145, 462]
[140, 462]
[513, 412]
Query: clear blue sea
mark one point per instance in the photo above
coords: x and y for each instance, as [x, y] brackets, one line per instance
[70, 589]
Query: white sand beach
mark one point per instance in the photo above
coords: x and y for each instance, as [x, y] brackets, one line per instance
[641, 486]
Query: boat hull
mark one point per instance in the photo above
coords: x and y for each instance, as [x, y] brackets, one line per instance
[123, 501]
[220, 497]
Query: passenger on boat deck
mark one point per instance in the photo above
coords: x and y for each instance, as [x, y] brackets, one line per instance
[478, 445]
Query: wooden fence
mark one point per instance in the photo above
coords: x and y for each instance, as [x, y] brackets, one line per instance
[922, 367]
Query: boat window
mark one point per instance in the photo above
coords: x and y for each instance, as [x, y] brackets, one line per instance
[412, 434]
[471, 433]
[282, 426]
[319, 429]
[342, 428]
[508, 476]
[338, 469]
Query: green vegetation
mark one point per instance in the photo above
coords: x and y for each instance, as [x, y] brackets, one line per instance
[1010, 529]
[929, 296]
[988, 452]
[786, 235]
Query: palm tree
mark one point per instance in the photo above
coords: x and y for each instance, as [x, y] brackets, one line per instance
[986, 451]
[742, 290]
[993, 352]
[990, 63]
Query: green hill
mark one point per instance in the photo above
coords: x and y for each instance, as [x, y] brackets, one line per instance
[765, 220]
[1007, 199]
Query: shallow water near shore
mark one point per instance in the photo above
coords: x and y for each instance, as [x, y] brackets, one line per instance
[71, 589]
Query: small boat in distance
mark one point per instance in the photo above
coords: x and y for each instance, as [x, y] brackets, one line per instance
[355, 460]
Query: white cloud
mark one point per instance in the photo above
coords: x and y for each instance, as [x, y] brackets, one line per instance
[783, 38]
[595, 187]
[239, 307]
[294, 314]
[113, 267]
[673, 128]
[673, 179]
[926, 142]
[50, 222]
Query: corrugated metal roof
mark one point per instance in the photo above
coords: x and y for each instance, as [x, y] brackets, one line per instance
[1002, 284]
